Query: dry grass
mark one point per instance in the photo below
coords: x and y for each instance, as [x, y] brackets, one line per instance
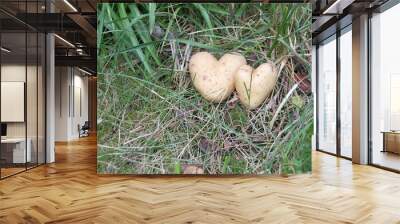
[152, 121]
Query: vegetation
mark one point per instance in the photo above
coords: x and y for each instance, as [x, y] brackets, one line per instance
[152, 121]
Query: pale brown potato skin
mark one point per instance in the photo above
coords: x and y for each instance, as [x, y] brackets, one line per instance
[190, 169]
[214, 79]
[254, 86]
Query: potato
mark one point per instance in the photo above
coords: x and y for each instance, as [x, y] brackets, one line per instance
[254, 86]
[214, 79]
[192, 169]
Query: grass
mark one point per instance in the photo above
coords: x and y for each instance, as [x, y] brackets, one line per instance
[152, 121]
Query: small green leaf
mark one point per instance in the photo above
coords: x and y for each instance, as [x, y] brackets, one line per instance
[298, 101]
[178, 168]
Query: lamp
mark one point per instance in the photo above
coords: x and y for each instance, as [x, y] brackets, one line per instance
[64, 40]
[337, 7]
[5, 50]
[84, 71]
[70, 5]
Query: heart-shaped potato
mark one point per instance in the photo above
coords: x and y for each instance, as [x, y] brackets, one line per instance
[214, 79]
[254, 86]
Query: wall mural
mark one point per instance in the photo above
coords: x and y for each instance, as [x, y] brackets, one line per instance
[204, 88]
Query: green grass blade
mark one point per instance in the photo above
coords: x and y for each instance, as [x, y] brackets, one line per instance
[125, 25]
[198, 45]
[100, 23]
[143, 33]
[206, 17]
[152, 16]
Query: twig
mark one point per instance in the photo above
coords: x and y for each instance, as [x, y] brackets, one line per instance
[283, 104]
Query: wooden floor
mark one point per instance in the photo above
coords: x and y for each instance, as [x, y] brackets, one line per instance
[70, 191]
[387, 159]
[5, 172]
